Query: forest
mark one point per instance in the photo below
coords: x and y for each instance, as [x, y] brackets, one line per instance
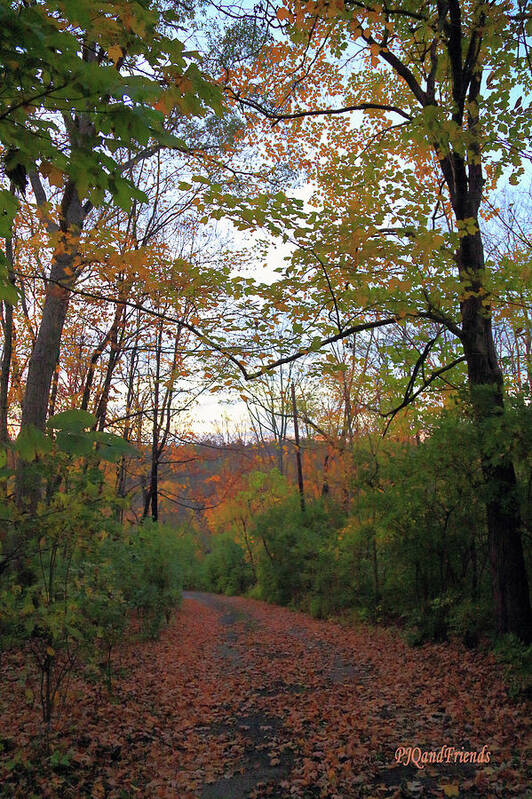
[265, 398]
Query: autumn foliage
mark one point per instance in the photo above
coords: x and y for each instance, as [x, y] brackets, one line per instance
[266, 331]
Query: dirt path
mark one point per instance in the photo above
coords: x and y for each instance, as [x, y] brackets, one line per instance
[239, 699]
[262, 763]
[318, 711]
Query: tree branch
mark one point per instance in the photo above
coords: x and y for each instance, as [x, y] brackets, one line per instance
[323, 343]
[426, 383]
[41, 199]
[278, 117]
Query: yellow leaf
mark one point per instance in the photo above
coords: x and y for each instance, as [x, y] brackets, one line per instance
[50, 651]
[115, 53]
[451, 790]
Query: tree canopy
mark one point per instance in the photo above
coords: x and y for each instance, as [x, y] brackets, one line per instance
[313, 214]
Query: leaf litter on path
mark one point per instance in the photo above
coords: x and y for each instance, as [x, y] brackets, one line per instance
[244, 700]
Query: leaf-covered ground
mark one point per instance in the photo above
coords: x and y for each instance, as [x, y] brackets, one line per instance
[242, 699]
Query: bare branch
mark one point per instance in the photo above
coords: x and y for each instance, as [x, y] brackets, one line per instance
[278, 117]
[41, 199]
[426, 383]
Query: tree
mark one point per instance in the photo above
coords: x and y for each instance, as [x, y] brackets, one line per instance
[425, 128]
[509, 245]
[107, 77]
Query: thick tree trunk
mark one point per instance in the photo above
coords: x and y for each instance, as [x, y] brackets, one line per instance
[40, 373]
[45, 353]
[465, 180]
[48, 340]
[509, 577]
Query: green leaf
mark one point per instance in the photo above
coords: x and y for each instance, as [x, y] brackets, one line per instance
[7, 290]
[74, 420]
[112, 448]
[32, 442]
[74, 443]
[8, 210]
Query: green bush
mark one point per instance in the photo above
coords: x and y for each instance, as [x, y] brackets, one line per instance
[517, 658]
[150, 573]
[296, 555]
[431, 622]
[470, 619]
[68, 600]
[224, 569]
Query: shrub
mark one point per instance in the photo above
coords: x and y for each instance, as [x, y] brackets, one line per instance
[150, 573]
[296, 555]
[517, 658]
[469, 619]
[224, 569]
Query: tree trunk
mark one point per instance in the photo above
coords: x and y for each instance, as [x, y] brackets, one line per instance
[474, 570]
[45, 351]
[465, 180]
[55, 386]
[298, 452]
[325, 478]
[249, 549]
[376, 586]
[114, 356]
[153, 490]
[509, 578]
[7, 351]
[96, 355]
[121, 476]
